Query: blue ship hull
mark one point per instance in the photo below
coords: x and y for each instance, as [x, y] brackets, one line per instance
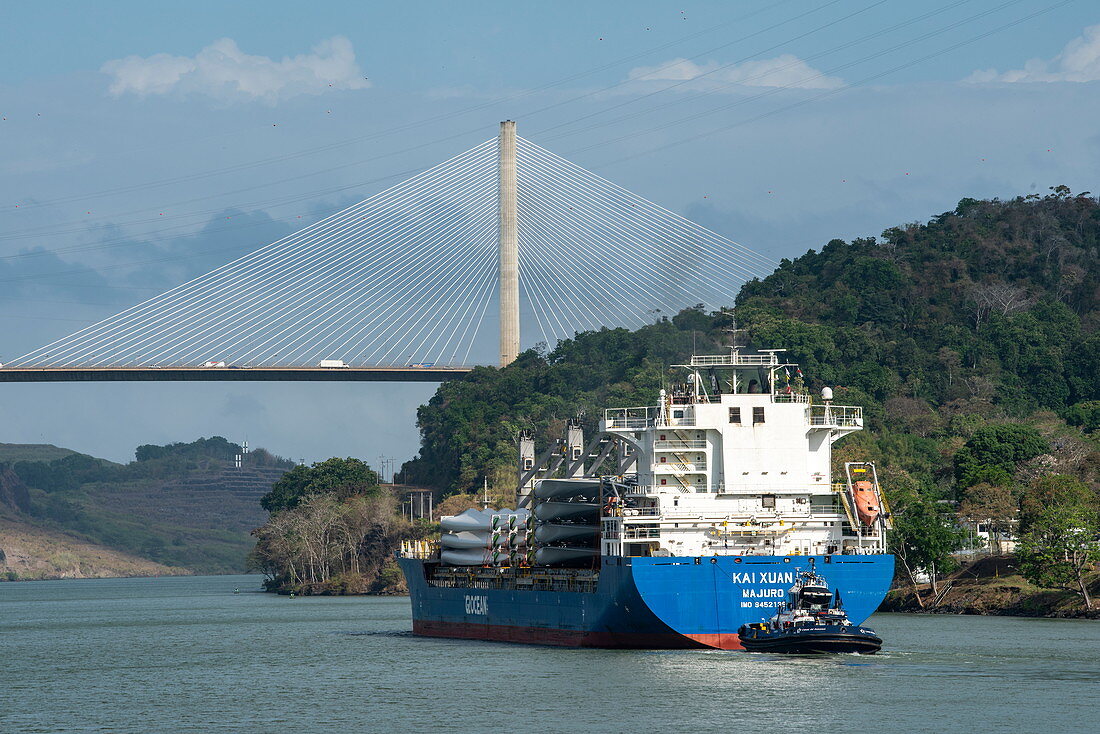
[670, 602]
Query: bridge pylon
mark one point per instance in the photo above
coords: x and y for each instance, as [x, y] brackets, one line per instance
[509, 245]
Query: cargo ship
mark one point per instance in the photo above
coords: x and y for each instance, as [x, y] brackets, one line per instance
[676, 524]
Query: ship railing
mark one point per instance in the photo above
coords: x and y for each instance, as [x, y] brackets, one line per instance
[841, 416]
[652, 489]
[629, 424]
[695, 399]
[738, 488]
[641, 512]
[830, 509]
[646, 416]
[755, 360]
[641, 533]
[792, 397]
[630, 418]
[675, 445]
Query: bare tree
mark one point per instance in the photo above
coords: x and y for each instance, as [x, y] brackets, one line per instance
[998, 297]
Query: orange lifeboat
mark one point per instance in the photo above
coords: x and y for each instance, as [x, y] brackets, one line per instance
[866, 502]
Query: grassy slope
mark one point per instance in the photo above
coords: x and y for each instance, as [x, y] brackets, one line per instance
[32, 552]
[201, 522]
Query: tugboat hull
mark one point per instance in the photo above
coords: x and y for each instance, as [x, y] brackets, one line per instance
[812, 642]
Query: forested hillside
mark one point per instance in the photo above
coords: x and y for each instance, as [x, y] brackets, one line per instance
[994, 302]
[183, 505]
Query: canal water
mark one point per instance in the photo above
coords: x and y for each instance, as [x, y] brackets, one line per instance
[190, 655]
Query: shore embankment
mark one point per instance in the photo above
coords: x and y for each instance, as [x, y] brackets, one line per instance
[992, 586]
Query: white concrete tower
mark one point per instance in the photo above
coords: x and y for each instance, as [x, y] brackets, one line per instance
[509, 246]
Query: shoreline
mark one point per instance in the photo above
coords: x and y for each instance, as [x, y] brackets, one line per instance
[993, 586]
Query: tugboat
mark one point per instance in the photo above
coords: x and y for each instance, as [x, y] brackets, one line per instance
[811, 621]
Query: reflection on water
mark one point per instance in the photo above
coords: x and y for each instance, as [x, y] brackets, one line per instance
[189, 655]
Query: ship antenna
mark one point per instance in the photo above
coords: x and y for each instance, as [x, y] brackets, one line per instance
[734, 333]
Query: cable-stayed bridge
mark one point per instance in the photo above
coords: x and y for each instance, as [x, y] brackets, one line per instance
[399, 286]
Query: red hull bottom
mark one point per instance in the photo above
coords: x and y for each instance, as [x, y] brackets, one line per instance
[575, 638]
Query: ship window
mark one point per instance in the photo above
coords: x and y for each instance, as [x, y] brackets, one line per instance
[664, 481]
[757, 415]
[528, 463]
[662, 459]
[576, 453]
[768, 500]
[735, 415]
[678, 414]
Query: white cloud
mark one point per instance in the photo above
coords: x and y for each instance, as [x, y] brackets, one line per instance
[782, 71]
[223, 71]
[1078, 62]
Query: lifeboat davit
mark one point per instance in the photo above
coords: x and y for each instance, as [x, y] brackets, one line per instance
[866, 502]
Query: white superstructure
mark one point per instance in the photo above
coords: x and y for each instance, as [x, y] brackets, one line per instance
[738, 462]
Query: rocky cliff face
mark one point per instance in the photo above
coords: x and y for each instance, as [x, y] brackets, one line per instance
[13, 493]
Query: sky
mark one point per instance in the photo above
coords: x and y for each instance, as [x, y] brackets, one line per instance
[143, 144]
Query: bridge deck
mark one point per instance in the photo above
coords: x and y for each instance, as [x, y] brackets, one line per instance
[231, 374]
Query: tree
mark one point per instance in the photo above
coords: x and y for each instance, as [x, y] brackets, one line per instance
[992, 454]
[923, 538]
[1054, 490]
[214, 447]
[1086, 415]
[340, 477]
[1062, 544]
[1002, 298]
[324, 537]
[993, 505]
